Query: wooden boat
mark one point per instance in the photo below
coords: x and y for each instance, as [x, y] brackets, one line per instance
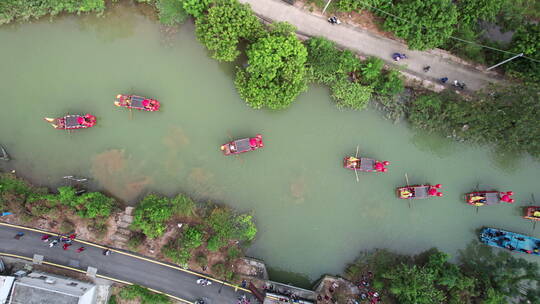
[510, 240]
[3, 154]
[418, 191]
[487, 198]
[137, 102]
[72, 122]
[532, 213]
[243, 145]
[364, 164]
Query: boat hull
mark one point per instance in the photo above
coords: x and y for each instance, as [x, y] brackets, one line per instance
[137, 103]
[72, 122]
[510, 241]
[242, 145]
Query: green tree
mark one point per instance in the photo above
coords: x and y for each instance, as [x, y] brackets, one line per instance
[526, 40]
[151, 215]
[413, 285]
[227, 226]
[226, 24]
[425, 24]
[326, 63]
[196, 8]
[275, 74]
[471, 11]
[183, 205]
[171, 12]
[351, 95]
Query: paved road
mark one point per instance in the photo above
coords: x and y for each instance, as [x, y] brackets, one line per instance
[119, 266]
[369, 44]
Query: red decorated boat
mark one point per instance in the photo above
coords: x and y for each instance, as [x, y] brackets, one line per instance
[487, 198]
[72, 122]
[532, 213]
[243, 145]
[419, 191]
[137, 102]
[364, 164]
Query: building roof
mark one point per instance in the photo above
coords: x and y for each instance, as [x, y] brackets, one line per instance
[5, 287]
[44, 288]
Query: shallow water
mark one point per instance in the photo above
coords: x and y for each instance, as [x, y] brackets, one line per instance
[313, 216]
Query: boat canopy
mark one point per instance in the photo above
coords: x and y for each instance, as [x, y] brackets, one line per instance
[421, 191]
[242, 145]
[367, 163]
[72, 121]
[137, 101]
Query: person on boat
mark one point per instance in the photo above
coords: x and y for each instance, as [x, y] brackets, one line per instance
[232, 148]
[406, 193]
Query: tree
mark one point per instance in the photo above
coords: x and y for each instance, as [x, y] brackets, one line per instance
[275, 74]
[171, 12]
[351, 95]
[326, 63]
[471, 11]
[151, 214]
[526, 40]
[425, 24]
[196, 8]
[183, 205]
[413, 285]
[226, 23]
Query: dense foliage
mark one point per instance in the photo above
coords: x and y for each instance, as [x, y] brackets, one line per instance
[196, 8]
[481, 276]
[425, 24]
[507, 117]
[24, 10]
[352, 82]
[275, 74]
[526, 40]
[152, 214]
[144, 295]
[171, 12]
[227, 226]
[224, 26]
[179, 250]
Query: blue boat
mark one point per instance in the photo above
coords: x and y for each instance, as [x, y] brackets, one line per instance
[510, 240]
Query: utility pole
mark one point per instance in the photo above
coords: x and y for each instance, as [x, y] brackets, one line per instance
[326, 6]
[498, 64]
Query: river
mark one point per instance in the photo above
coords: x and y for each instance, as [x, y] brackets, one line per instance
[313, 216]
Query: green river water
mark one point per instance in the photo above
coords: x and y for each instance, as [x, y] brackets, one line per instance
[313, 216]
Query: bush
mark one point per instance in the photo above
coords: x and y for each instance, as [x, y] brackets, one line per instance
[151, 214]
[202, 261]
[171, 12]
[227, 226]
[144, 295]
[275, 74]
[227, 23]
[526, 40]
[94, 204]
[183, 205]
[16, 10]
[351, 95]
[135, 241]
[326, 63]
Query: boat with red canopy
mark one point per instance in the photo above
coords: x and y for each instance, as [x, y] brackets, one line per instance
[243, 145]
[365, 164]
[72, 122]
[487, 198]
[532, 213]
[137, 102]
[419, 191]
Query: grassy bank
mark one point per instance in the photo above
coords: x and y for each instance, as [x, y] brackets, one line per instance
[212, 238]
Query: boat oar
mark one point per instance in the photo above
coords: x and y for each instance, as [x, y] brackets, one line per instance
[357, 148]
[356, 172]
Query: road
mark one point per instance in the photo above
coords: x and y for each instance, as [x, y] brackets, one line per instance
[369, 44]
[120, 266]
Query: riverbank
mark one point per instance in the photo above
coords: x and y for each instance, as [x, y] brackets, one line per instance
[203, 236]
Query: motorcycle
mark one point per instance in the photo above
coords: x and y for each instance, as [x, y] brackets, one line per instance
[398, 56]
[204, 282]
[459, 85]
[334, 20]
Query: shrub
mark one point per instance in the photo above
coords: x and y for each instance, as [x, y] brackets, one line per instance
[351, 95]
[151, 214]
[16, 10]
[326, 63]
[171, 12]
[144, 295]
[94, 204]
[66, 227]
[183, 205]
[135, 241]
[196, 7]
[202, 261]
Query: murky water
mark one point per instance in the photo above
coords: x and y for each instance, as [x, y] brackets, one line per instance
[312, 214]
